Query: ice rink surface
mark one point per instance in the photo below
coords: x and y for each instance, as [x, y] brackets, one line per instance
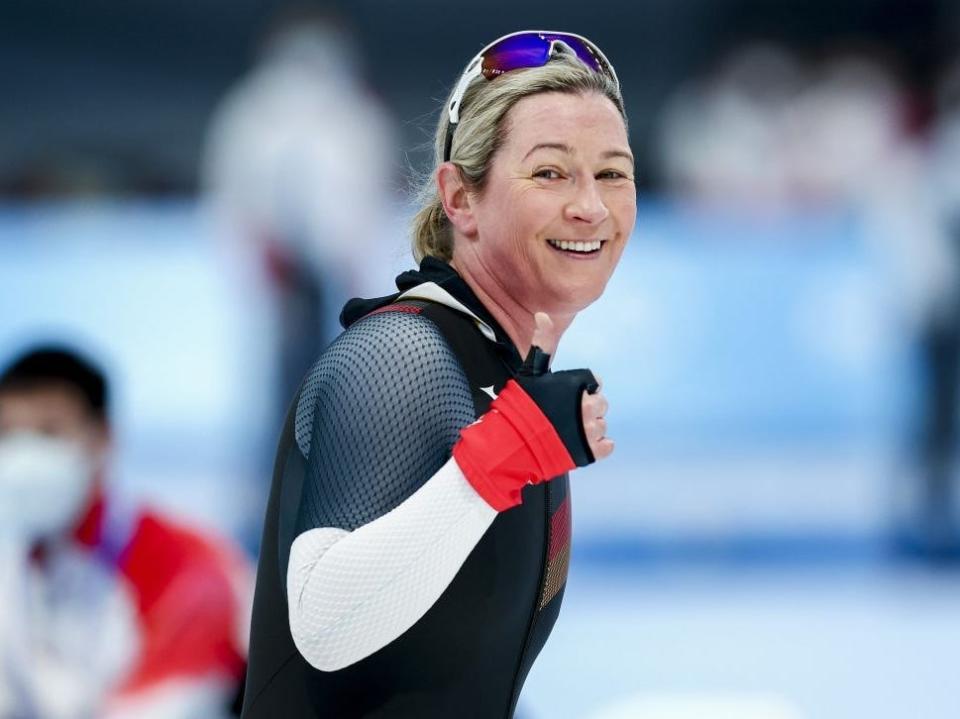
[818, 640]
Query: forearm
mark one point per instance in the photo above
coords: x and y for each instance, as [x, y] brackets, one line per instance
[352, 593]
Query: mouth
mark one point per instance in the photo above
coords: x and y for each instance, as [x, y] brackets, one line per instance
[578, 248]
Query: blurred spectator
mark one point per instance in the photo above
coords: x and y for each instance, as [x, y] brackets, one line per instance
[298, 164]
[853, 147]
[940, 501]
[766, 134]
[105, 610]
[721, 140]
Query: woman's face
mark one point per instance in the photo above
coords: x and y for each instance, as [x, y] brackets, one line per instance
[559, 203]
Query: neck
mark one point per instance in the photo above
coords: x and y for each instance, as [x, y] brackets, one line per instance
[512, 314]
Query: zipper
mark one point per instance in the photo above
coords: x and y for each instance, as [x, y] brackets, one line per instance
[514, 693]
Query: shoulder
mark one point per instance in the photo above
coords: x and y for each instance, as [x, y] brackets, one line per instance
[190, 584]
[376, 418]
[393, 332]
[163, 552]
[395, 357]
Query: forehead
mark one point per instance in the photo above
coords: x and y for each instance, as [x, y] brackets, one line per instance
[588, 121]
[53, 401]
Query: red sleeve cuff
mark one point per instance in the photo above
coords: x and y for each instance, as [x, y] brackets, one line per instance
[511, 445]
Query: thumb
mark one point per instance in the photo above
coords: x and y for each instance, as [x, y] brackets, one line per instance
[542, 345]
[544, 336]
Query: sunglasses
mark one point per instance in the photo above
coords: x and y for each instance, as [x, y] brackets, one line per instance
[529, 48]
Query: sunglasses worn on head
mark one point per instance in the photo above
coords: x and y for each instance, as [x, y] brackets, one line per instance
[529, 48]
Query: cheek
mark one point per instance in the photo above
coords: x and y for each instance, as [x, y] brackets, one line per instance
[515, 225]
[624, 207]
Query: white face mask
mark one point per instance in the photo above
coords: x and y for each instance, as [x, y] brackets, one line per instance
[44, 483]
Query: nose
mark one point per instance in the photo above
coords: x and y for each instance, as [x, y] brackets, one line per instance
[587, 203]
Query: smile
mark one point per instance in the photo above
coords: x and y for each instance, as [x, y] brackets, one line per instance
[579, 247]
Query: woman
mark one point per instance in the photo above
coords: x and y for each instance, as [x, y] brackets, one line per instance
[417, 536]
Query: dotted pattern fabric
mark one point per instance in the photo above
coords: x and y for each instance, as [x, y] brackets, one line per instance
[377, 417]
[351, 594]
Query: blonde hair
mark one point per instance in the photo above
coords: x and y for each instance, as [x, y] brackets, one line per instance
[480, 133]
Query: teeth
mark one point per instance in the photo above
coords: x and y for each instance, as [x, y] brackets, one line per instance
[577, 245]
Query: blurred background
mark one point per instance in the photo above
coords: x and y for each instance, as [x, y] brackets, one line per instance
[190, 191]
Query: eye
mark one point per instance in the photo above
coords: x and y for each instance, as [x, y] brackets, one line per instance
[612, 175]
[547, 173]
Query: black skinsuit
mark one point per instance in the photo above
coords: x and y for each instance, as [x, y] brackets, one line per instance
[469, 655]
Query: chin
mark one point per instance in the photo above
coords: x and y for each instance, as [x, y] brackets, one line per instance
[576, 298]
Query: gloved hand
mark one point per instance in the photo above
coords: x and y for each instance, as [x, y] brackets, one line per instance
[540, 425]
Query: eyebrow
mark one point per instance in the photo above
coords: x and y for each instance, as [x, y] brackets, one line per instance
[562, 147]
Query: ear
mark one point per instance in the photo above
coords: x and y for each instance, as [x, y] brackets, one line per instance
[456, 200]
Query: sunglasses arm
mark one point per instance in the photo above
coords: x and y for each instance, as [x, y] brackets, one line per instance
[474, 70]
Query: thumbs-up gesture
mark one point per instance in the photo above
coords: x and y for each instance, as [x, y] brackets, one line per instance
[543, 345]
[541, 425]
[593, 404]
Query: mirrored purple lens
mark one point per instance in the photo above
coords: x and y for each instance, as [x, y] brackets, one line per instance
[532, 50]
[578, 46]
[513, 53]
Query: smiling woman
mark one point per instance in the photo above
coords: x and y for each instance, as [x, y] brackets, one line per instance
[545, 205]
[418, 532]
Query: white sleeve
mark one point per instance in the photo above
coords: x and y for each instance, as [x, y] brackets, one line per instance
[351, 593]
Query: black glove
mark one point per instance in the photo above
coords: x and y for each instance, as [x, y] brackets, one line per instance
[558, 394]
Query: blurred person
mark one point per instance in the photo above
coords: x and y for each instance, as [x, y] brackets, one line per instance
[288, 150]
[417, 538]
[845, 126]
[720, 137]
[105, 610]
[853, 148]
[768, 135]
[940, 502]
